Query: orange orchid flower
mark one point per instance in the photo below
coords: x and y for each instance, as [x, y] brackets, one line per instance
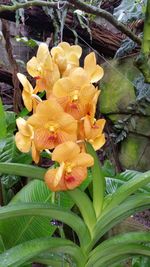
[74, 93]
[66, 56]
[94, 71]
[73, 167]
[25, 139]
[52, 125]
[43, 69]
[92, 130]
[28, 94]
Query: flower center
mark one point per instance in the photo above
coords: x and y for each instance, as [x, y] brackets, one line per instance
[39, 69]
[68, 167]
[75, 95]
[52, 126]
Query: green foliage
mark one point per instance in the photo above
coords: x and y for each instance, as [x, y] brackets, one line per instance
[9, 152]
[28, 42]
[2, 122]
[30, 227]
[30, 212]
[141, 262]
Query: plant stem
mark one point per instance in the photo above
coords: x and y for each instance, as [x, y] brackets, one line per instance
[146, 37]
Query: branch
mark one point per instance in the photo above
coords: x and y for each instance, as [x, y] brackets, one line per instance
[30, 4]
[106, 15]
[12, 61]
[80, 5]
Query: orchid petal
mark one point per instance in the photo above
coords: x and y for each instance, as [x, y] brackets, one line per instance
[83, 160]
[50, 177]
[23, 143]
[75, 178]
[99, 142]
[27, 99]
[97, 74]
[63, 87]
[77, 50]
[23, 127]
[25, 83]
[35, 153]
[65, 152]
[32, 67]
[44, 139]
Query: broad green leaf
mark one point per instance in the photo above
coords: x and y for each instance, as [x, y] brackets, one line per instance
[51, 211]
[26, 251]
[18, 230]
[30, 227]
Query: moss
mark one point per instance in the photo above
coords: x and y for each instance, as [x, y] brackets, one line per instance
[117, 89]
[134, 153]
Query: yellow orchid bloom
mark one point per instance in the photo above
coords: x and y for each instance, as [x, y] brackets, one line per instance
[66, 56]
[73, 167]
[25, 139]
[52, 125]
[92, 130]
[43, 69]
[94, 71]
[74, 93]
[28, 94]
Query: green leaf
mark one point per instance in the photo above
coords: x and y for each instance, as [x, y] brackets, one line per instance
[10, 121]
[51, 259]
[132, 205]
[127, 189]
[2, 247]
[11, 154]
[141, 262]
[113, 183]
[127, 238]
[22, 170]
[26, 251]
[3, 125]
[30, 227]
[122, 250]
[98, 181]
[52, 211]
[113, 243]
[85, 206]
[17, 230]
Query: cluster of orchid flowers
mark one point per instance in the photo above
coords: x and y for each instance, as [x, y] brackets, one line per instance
[62, 123]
